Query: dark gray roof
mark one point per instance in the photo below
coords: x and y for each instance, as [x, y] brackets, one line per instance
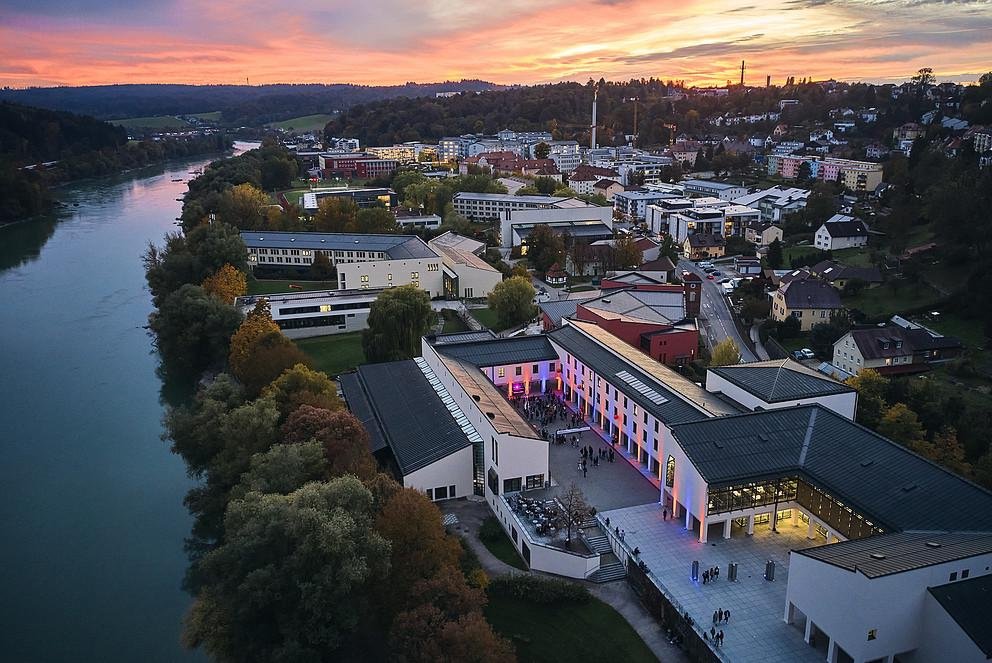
[562, 308]
[967, 602]
[846, 229]
[887, 483]
[502, 351]
[463, 337]
[831, 270]
[701, 240]
[785, 380]
[409, 413]
[607, 365]
[812, 294]
[881, 342]
[358, 402]
[885, 554]
[397, 247]
[662, 264]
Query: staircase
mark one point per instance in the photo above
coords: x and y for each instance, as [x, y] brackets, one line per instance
[598, 543]
[608, 571]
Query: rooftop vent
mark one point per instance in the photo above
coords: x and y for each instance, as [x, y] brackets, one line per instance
[763, 437]
[877, 556]
[932, 544]
[867, 463]
[909, 487]
[292, 239]
[323, 240]
[476, 397]
[491, 415]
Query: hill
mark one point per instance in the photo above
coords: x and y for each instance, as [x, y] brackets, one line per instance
[248, 105]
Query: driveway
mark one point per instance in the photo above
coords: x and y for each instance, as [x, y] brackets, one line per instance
[716, 320]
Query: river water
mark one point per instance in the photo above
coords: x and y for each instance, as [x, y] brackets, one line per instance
[91, 513]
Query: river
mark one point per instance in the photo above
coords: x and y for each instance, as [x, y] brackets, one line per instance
[91, 508]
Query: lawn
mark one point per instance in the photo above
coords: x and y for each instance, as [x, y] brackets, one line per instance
[591, 631]
[487, 317]
[496, 541]
[883, 301]
[212, 116]
[304, 123]
[452, 323]
[271, 287]
[154, 122]
[334, 354]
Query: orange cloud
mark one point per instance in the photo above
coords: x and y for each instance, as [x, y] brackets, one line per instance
[393, 41]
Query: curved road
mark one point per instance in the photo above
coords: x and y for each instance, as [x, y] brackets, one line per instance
[715, 319]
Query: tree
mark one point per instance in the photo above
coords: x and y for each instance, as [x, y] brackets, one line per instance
[268, 357]
[344, 440]
[277, 172]
[544, 248]
[945, 449]
[244, 206]
[256, 324]
[192, 331]
[805, 172]
[513, 301]
[775, 256]
[899, 423]
[871, 387]
[301, 385]
[822, 336]
[575, 509]
[399, 317]
[321, 268]
[924, 78]
[227, 284]
[626, 254]
[289, 582]
[542, 150]
[191, 258]
[283, 469]
[546, 185]
[669, 249]
[335, 214]
[194, 427]
[375, 220]
[725, 353]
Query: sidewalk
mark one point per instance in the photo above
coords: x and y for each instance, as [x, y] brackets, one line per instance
[617, 594]
[759, 349]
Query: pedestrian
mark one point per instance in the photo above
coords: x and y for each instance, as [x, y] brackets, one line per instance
[721, 637]
[580, 466]
[623, 534]
[584, 471]
[719, 615]
[616, 530]
[706, 575]
[726, 616]
[664, 513]
[717, 569]
[607, 522]
[713, 632]
[714, 616]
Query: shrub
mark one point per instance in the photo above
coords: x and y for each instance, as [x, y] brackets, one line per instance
[537, 589]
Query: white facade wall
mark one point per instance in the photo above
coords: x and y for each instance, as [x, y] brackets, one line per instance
[942, 639]
[475, 282]
[509, 238]
[893, 605]
[524, 374]
[454, 470]
[425, 273]
[844, 404]
[824, 242]
[582, 186]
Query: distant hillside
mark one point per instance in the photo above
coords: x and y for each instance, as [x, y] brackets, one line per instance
[253, 105]
[29, 135]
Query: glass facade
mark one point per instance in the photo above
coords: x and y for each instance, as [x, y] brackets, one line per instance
[823, 506]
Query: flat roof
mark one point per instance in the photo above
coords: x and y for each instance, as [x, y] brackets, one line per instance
[489, 399]
[780, 380]
[967, 602]
[666, 308]
[711, 184]
[409, 411]
[462, 257]
[501, 351]
[885, 554]
[509, 198]
[462, 337]
[352, 295]
[397, 247]
[886, 482]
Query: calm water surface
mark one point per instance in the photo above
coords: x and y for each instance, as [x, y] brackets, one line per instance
[91, 513]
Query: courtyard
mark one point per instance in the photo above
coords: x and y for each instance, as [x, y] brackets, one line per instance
[756, 630]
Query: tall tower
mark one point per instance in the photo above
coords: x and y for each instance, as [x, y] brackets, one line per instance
[595, 98]
[768, 80]
[742, 73]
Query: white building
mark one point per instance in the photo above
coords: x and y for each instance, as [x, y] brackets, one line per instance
[633, 204]
[482, 206]
[776, 202]
[586, 222]
[840, 232]
[316, 313]
[466, 275]
[721, 190]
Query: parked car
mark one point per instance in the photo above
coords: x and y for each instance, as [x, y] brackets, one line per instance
[710, 277]
[710, 270]
[805, 353]
[705, 264]
[716, 274]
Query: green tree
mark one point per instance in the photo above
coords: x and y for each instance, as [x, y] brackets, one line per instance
[268, 357]
[321, 269]
[900, 423]
[191, 258]
[244, 206]
[544, 248]
[278, 172]
[194, 427]
[725, 353]
[399, 317]
[335, 214]
[290, 580]
[542, 150]
[775, 256]
[283, 469]
[192, 331]
[301, 385]
[626, 254]
[669, 249]
[823, 336]
[871, 388]
[375, 220]
[513, 301]
[546, 185]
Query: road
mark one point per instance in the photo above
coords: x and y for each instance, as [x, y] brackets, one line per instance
[715, 318]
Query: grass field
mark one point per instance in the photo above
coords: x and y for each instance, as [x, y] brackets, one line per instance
[884, 301]
[305, 123]
[154, 122]
[452, 323]
[591, 631]
[499, 544]
[334, 354]
[256, 287]
[487, 317]
[213, 116]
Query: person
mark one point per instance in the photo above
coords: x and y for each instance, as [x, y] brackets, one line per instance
[726, 616]
[607, 522]
[584, 471]
[616, 530]
[623, 534]
[714, 616]
[721, 637]
[716, 569]
[664, 513]
[713, 632]
[706, 576]
[580, 466]
[719, 615]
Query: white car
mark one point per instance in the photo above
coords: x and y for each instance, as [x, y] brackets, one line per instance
[706, 264]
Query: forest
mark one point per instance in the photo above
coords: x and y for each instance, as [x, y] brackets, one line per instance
[240, 105]
[72, 147]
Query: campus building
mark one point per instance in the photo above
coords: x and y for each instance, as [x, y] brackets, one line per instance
[316, 313]
[362, 197]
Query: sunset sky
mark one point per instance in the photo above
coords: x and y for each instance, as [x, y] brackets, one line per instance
[86, 42]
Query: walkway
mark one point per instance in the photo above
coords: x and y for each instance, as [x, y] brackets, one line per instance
[618, 594]
[756, 630]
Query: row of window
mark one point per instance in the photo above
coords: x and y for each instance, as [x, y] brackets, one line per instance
[518, 370]
[442, 493]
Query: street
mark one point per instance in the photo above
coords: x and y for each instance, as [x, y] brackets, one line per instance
[715, 319]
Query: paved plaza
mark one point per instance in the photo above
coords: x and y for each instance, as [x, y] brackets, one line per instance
[756, 631]
[607, 486]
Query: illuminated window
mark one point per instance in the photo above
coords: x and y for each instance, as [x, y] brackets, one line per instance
[872, 633]
[501, 372]
[365, 279]
[389, 277]
[324, 308]
[670, 472]
[415, 276]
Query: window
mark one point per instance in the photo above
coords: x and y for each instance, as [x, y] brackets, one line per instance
[468, 293]
[432, 267]
[493, 480]
[954, 576]
[965, 574]
[451, 491]
[415, 276]
[365, 279]
[535, 369]
[511, 485]
[872, 633]
[441, 493]
[656, 427]
[389, 277]
[534, 482]
[519, 370]
[430, 494]
[501, 372]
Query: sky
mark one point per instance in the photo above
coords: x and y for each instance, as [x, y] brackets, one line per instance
[381, 42]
